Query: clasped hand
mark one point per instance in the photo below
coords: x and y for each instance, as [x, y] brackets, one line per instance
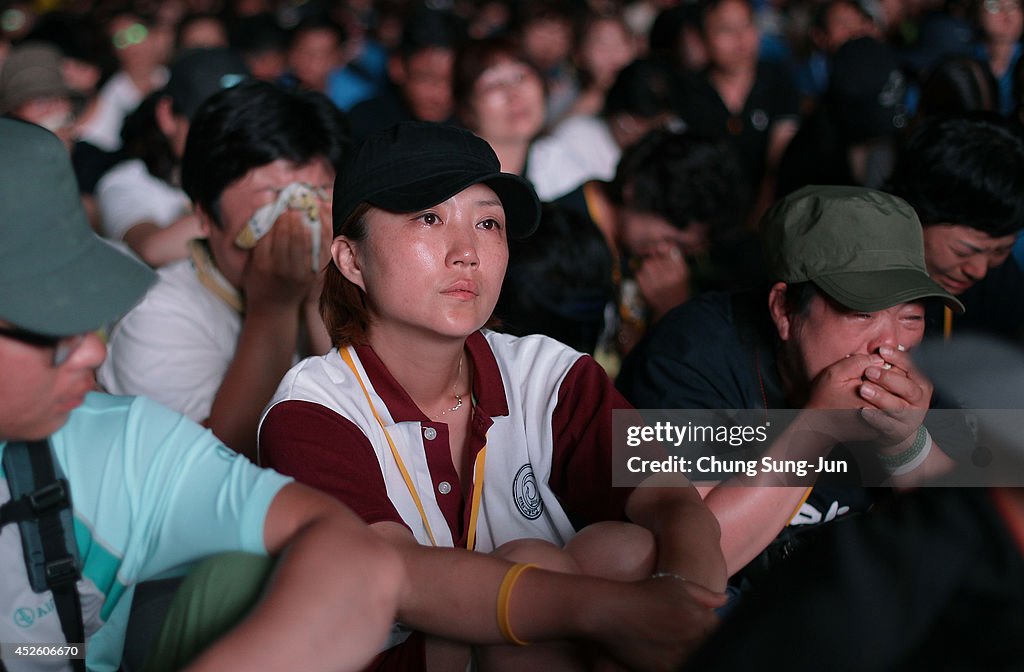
[890, 394]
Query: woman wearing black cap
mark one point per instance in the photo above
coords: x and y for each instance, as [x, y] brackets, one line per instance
[441, 434]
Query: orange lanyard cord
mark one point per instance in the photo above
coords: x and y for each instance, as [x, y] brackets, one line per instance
[478, 467]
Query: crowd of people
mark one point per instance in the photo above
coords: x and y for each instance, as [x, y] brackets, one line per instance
[321, 323]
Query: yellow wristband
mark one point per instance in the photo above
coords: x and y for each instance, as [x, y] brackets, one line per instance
[504, 597]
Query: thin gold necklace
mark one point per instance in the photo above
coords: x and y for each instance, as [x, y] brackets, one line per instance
[458, 397]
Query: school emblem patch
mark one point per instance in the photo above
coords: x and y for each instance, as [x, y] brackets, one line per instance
[526, 494]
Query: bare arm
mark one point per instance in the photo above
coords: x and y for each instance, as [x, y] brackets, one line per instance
[160, 245]
[687, 533]
[264, 354]
[753, 510]
[332, 598]
[664, 279]
[898, 397]
[452, 593]
[319, 339]
[779, 137]
[276, 284]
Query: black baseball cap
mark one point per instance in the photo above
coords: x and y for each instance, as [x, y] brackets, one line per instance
[417, 164]
[430, 28]
[199, 73]
[866, 90]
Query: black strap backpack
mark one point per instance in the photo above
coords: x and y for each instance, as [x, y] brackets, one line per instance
[41, 506]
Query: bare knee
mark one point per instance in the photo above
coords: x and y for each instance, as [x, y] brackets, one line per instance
[542, 553]
[614, 550]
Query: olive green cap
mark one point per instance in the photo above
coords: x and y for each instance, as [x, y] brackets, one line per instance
[56, 276]
[863, 248]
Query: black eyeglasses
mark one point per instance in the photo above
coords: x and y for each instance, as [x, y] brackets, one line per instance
[63, 346]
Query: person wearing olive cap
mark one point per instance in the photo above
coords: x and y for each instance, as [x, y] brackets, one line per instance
[931, 582]
[832, 331]
[448, 438]
[149, 490]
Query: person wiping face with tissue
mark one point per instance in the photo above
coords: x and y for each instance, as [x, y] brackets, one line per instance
[219, 330]
[304, 199]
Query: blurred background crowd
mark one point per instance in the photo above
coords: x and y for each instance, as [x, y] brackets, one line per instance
[656, 133]
[659, 131]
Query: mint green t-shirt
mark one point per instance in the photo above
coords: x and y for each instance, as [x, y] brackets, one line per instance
[152, 493]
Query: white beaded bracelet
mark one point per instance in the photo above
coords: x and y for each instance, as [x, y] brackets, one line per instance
[911, 458]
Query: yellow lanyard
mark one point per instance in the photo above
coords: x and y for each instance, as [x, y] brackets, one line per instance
[947, 323]
[212, 279]
[478, 466]
[800, 505]
[478, 489]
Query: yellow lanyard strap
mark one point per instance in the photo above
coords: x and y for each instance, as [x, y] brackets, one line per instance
[800, 505]
[478, 488]
[478, 467]
[345, 355]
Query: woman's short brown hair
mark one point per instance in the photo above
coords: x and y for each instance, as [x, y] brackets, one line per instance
[342, 302]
